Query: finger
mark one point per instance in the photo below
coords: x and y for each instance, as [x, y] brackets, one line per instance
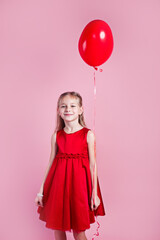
[41, 203]
[92, 206]
[91, 203]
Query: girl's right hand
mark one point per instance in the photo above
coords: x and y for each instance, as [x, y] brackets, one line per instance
[39, 201]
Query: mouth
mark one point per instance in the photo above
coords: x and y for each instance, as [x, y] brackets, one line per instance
[68, 114]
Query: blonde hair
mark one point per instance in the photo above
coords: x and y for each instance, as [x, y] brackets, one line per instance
[59, 121]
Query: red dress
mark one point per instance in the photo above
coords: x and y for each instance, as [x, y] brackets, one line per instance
[68, 187]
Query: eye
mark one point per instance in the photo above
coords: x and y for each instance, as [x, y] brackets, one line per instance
[73, 106]
[62, 106]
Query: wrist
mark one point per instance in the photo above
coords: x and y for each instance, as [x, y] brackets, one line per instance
[41, 190]
[39, 194]
[94, 194]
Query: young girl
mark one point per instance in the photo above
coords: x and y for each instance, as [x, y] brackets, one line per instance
[65, 200]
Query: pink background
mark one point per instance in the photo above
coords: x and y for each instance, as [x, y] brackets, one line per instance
[39, 60]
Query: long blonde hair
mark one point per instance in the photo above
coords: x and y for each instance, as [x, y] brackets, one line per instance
[59, 121]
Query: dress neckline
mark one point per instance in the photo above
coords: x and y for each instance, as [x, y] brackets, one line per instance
[73, 132]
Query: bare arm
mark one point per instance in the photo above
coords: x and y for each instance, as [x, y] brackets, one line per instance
[92, 159]
[52, 156]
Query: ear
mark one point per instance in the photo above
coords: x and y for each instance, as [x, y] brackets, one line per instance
[58, 112]
[81, 110]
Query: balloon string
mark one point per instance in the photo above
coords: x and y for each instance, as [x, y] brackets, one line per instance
[96, 233]
[94, 139]
[93, 196]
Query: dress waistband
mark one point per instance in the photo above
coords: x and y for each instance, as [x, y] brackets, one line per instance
[71, 155]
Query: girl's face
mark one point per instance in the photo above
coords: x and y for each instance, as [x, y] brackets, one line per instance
[69, 109]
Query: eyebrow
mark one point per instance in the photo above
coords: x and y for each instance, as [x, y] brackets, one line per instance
[64, 103]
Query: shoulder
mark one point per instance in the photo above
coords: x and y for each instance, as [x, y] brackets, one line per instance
[55, 134]
[53, 137]
[90, 136]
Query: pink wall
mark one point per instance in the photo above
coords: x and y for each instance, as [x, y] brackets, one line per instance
[39, 60]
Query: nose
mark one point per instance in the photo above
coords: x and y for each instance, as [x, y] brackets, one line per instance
[67, 108]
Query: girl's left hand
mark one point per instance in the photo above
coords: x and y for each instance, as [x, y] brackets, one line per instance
[96, 202]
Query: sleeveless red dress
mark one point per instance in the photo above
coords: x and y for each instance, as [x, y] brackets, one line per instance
[67, 189]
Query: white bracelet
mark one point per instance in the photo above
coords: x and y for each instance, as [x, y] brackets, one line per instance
[39, 195]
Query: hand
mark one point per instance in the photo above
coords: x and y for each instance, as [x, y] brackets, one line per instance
[96, 202]
[39, 201]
